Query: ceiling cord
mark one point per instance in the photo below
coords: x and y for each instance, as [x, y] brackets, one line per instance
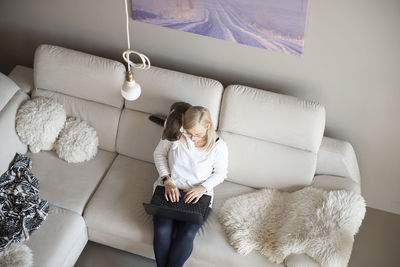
[126, 54]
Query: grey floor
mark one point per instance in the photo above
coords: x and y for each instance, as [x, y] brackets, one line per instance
[377, 245]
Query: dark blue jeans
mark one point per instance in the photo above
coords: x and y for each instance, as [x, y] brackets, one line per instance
[173, 241]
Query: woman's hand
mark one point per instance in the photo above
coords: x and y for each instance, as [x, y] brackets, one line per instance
[194, 194]
[171, 191]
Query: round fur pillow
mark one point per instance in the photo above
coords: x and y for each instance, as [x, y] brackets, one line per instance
[78, 141]
[38, 123]
[16, 255]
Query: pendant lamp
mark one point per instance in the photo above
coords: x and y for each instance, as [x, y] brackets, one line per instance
[131, 90]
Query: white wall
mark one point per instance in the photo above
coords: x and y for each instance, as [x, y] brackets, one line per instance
[351, 64]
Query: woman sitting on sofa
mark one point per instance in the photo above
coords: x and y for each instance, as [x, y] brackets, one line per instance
[196, 163]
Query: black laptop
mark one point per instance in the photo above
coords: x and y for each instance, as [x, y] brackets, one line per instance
[181, 211]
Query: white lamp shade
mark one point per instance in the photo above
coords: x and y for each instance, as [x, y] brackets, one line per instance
[131, 90]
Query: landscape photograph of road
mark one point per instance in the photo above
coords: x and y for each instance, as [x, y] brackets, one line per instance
[277, 25]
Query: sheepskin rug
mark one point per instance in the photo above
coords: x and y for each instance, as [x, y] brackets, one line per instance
[16, 255]
[38, 123]
[319, 223]
[78, 141]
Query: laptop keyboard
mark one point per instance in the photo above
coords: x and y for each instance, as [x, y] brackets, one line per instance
[197, 208]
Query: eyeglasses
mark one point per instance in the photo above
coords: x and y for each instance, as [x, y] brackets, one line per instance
[194, 136]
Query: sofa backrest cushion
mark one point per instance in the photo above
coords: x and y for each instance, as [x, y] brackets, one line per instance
[79, 74]
[273, 139]
[88, 87]
[162, 87]
[137, 135]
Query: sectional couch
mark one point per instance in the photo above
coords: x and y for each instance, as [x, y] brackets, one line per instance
[274, 141]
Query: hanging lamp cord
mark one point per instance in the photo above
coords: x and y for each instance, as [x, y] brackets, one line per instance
[126, 54]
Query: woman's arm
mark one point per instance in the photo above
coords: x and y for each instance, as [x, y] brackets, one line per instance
[161, 161]
[220, 170]
[161, 157]
[220, 167]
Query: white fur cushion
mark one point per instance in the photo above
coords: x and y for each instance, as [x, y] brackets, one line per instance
[319, 223]
[38, 123]
[16, 255]
[78, 141]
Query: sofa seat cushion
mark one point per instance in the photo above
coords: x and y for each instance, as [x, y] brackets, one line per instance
[69, 185]
[211, 245]
[115, 217]
[60, 239]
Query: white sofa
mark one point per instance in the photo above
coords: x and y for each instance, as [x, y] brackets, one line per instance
[274, 141]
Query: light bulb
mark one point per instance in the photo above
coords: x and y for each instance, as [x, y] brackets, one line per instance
[130, 90]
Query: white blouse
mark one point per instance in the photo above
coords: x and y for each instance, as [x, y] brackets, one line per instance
[190, 166]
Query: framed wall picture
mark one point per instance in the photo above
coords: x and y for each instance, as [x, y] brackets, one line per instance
[277, 25]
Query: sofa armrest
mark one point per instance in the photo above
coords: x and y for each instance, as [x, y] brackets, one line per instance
[337, 157]
[8, 88]
[300, 260]
[23, 77]
[11, 98]
[331, 182]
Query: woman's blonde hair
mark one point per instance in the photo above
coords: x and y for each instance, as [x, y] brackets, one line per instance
[200, 116]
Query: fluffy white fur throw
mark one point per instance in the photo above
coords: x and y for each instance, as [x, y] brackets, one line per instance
[16, 255]
[38, 123]
[319, 223]
[78, 141]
